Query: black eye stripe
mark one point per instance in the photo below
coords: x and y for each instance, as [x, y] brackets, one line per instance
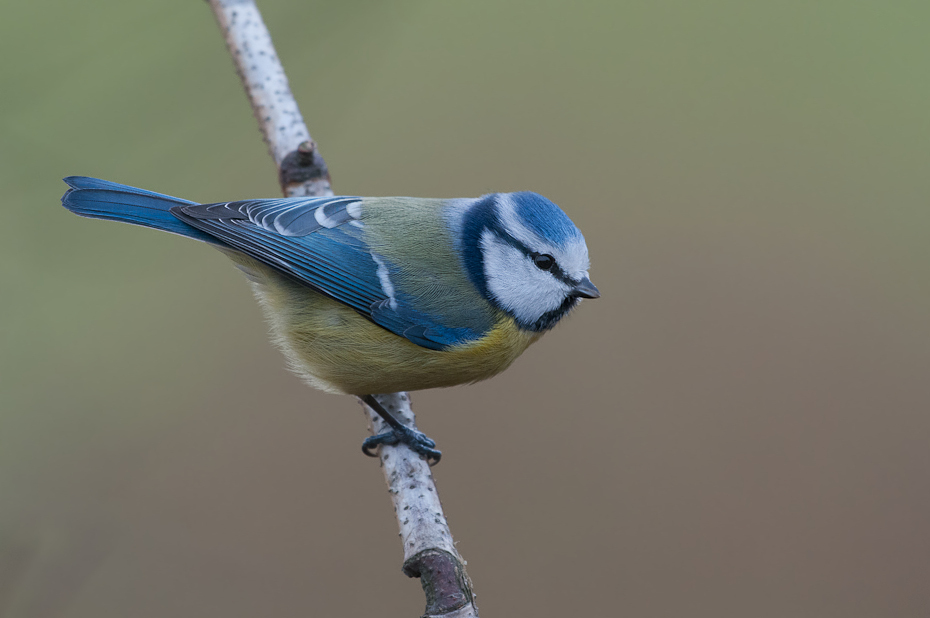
[560, 275]
[554, 270]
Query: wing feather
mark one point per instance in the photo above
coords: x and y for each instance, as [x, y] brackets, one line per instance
[308, 239]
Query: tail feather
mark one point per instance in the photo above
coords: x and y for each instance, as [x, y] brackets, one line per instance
[101, 199]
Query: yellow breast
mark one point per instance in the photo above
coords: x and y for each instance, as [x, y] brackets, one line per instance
[337, 350]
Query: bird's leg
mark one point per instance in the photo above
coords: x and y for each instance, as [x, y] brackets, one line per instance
[418, 441]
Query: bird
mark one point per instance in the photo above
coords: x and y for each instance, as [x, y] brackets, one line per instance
[368, 295]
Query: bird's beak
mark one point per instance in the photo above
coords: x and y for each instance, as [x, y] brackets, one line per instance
[585, 289]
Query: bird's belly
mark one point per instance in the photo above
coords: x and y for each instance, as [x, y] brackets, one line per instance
[337, 350]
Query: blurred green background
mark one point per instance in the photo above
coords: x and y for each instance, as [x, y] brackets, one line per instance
[739, 427]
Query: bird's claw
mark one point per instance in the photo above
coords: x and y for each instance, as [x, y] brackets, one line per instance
[418, 442]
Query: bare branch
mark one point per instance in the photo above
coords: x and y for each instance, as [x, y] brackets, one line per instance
[302, 171]
[429, 551]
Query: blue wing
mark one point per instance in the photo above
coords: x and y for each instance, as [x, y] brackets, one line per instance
[321, 243]
[286, 216]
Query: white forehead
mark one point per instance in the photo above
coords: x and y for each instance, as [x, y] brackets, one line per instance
[571, 256]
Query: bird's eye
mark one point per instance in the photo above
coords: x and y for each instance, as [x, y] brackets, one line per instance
[543, 261]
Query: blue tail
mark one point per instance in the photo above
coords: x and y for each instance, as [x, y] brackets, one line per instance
[101, 199]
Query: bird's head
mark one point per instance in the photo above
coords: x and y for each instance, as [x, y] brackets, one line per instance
[526, 257]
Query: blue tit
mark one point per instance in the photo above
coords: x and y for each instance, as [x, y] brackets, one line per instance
[380, 295]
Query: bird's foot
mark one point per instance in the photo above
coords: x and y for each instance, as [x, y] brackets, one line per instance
[418, 442]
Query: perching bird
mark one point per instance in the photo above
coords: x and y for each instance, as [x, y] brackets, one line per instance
[380, 295]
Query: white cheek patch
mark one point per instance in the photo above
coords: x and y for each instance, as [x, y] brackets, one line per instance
[516, 283]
